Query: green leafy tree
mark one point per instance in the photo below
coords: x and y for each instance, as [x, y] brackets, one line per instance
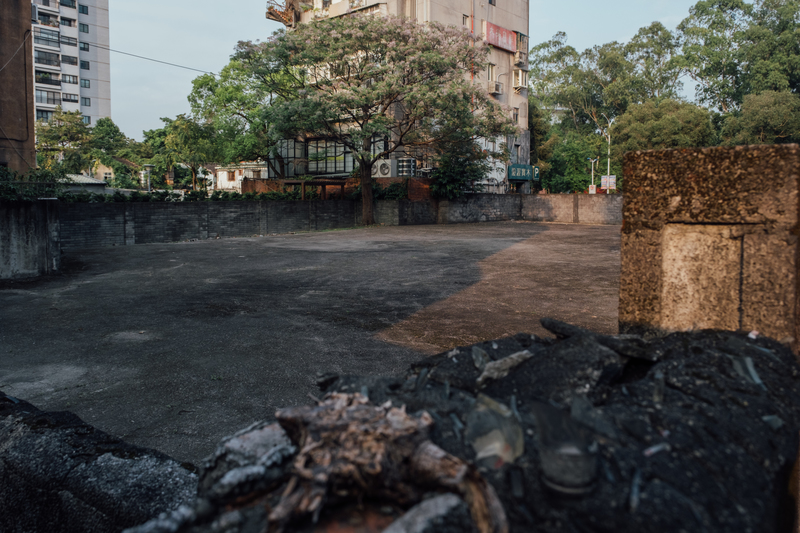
[191, 144]
[542, 141]
[570, 168]
[460, 165]
[767, 118]
[653, 53]
[656, 125]
[712, 41]
[771, 53]
[379, 86]
[588, 89]
[113, 149]
[233, 104]
[63, 143]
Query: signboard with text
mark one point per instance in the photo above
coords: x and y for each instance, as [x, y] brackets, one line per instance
[535, 173]
[500, 37]
[520, 173]
[608, 182]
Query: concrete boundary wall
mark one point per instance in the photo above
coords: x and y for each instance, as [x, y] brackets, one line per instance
[29, 239]
[118, 224]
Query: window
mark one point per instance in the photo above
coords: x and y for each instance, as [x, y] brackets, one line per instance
[69, 97]
[84, 28]
[46, 58]
[45, 37]
[465, 20]
[47, 97]
[69, 41]
[515, 115]
[66, 78]
[490, 72]
[107, 175]
[85, 65]
[69, 60]
[88, 102]
[492, 2]
[520, 78]
[67, 22]
[47, 78]
[86, 84]
[41, 114]
[231, 176]
[68, 3]
[522, 42]
[83, 10]
[84, 47]
[87, 120]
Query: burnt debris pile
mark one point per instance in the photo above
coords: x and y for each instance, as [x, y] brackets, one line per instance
[694, 431]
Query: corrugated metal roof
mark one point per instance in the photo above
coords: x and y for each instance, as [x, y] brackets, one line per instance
[85, 180]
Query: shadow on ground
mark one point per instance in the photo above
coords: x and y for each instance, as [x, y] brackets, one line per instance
[173, 346]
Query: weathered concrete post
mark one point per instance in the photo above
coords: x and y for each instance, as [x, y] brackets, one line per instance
[709, 240]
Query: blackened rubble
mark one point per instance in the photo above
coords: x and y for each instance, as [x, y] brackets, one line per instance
[694, 431]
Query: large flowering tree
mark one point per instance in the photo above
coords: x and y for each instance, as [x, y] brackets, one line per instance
[355, 79]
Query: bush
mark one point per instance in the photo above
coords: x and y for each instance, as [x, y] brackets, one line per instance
[35, 184]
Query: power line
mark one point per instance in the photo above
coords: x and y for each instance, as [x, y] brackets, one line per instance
[15, 53]
[102, 47]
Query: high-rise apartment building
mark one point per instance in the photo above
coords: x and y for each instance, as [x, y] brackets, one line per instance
[71, 58]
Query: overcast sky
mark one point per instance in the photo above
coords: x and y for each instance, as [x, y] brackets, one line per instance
[201, 34]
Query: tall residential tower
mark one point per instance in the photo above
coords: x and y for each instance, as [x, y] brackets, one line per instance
[71, 58]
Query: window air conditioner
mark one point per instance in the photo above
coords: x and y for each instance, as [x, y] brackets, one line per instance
[521, 58]
[495, 87]
[382, 168]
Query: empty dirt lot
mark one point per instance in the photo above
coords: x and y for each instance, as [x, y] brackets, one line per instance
[174, 346]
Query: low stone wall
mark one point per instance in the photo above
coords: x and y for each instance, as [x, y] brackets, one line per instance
[117, 224]
[29, 239]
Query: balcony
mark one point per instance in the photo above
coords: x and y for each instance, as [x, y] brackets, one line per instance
[47, 61]
[47, 80]
[47, 21]
[68, 3]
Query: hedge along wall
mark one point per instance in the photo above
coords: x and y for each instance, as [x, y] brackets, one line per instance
[117, 224]
[29, 239]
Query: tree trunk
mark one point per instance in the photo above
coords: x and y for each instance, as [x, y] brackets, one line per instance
[367, 212]
[194, 179]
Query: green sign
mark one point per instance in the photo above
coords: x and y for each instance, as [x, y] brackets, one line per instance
[520, 173]
[535, 173]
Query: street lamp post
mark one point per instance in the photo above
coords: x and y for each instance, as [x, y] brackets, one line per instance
[595, 160]
[608, 136]
[148, 168]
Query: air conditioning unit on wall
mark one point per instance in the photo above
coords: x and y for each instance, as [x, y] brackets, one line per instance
[382, 168]
[404, 168]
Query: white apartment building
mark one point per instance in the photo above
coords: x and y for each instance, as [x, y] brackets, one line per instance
[71, 58]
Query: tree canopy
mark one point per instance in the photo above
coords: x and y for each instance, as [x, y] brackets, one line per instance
[375, 85]
[743, 59]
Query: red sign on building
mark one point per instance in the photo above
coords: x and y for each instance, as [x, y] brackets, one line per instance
[501, 37]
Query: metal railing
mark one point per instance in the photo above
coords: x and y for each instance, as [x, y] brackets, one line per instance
[45, 61]
[47, 80]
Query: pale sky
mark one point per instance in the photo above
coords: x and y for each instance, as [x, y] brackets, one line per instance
[202, 34]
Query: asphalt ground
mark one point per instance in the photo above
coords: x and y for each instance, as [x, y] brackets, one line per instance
[174, 346]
